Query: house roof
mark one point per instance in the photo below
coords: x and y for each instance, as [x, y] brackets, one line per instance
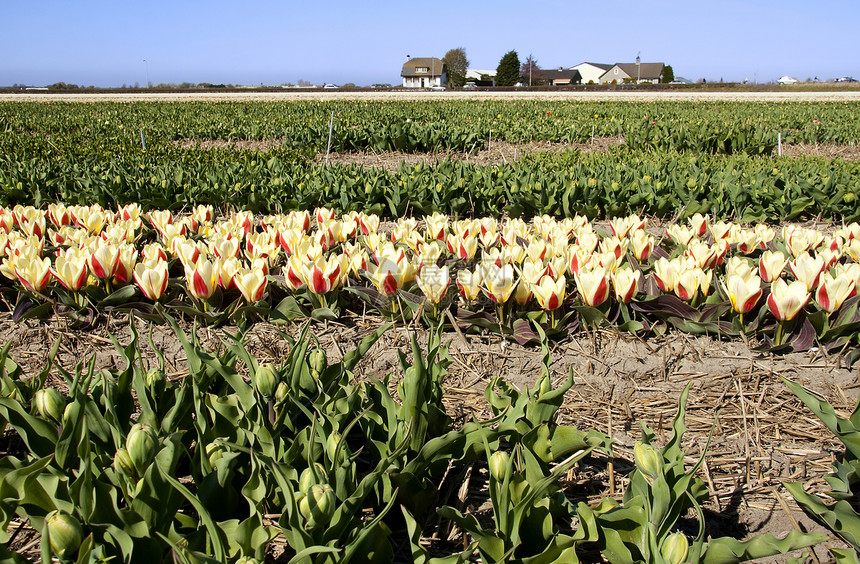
[556, 74]
[436, 66]
[645, 71]
[478, 73]
[604, 66]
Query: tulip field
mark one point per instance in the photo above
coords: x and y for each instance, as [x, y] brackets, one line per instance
[242, 355]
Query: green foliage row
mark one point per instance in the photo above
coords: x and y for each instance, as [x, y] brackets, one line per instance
[710, 127]
[132, 466]
[595, 185]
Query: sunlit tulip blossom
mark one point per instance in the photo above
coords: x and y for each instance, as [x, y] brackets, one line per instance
[437, 226]
[160, 219]
[126, 260]
[577, 259]
[201, 215]
[202, 278]
[243, 221]
[130, 212]
[800, 240]
[151, 278]
[699, 224]
[300, 220]
[70, 268]
[743, 293]
[614, 245]
[849, 232]
[852, 272]
[59, 215]
[227, 269]
[324, 214]
[691, 281]
[189, 251]
[739, 266]
[666, 273]
[624, 226]
[33, 272]
[358, 262]
[405, 228]
[593, 286]
[704, 255]
[434, 282]
[469, 283]
[549, 293]
[498, 283]
[765, 235]
[832, 291]
[829, 256]
[429, 255]
[625, 283]
[807, 269]
[251, 282]
[154, 251]
[746, 241]
[587, 241]
[292, 272]
[387, 276]
[771, 264]
[786, 300]
[103, 259]
[369, 223]
[462, 247]
[721, 230]
[642, 244]
[680, 234]
[323, 275]
[289, 238]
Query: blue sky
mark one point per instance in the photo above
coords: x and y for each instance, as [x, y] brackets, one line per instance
[257, 41]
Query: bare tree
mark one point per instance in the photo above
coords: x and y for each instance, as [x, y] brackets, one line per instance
[457, 64]
[530, 71]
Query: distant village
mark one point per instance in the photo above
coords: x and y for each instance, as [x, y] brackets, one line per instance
[430, 72]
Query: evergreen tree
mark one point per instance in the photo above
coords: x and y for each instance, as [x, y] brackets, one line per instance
[508, 71]
[668, 74]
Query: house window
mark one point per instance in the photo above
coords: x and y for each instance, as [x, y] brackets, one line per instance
[616, 71]
[422, 70]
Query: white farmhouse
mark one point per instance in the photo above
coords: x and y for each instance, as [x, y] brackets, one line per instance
[591, 72]
[424, 72]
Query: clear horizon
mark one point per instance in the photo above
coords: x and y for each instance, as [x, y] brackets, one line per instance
[265, 42]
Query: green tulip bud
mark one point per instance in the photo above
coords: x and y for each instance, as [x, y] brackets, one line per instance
[248, 560]
[675, 548]
[266, 380]
[544, 386]
[306, 480]
[331, 447]
[122, 463]
[49, 403]
[318, 505]
[318, 362]
[498, 464]
[64, 533]
[282, 392]
[156, 381]
[214, 452]
[648, 461]
[142, 445]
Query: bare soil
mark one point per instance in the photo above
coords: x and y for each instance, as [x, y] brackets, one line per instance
[499, 152]
[761, 434]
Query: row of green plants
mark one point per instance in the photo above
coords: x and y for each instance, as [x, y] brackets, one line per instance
[663, 184]
[709, 127]
[129, 465]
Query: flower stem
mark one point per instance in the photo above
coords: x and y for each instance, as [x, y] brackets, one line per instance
[779, 332]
